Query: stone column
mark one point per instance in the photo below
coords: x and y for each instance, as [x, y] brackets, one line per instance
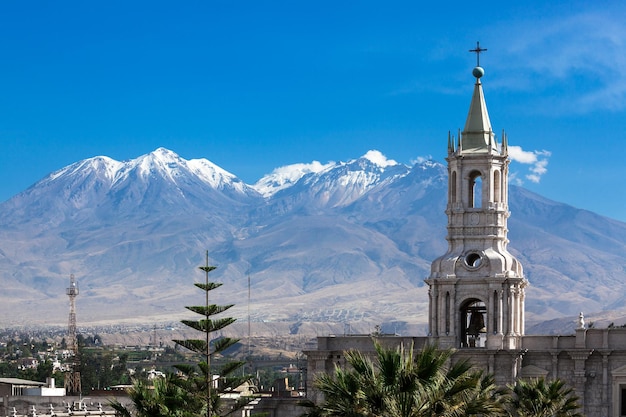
[580, 357]
[518, 310]
[441, 313]
[605, 382]
[431, 321]
[522, 311]
[511, 317]
[555, 365]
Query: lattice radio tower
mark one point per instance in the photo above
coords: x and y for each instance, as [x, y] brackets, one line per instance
[72, 375]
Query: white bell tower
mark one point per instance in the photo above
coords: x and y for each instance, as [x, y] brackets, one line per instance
[476, 289]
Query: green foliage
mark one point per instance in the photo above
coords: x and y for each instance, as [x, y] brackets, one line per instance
[205, 380]
[403, 383]
[101, 368]
[162, 399]
[540, 398]
[196, 388]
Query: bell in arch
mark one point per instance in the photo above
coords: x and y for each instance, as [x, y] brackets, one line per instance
[476, 324]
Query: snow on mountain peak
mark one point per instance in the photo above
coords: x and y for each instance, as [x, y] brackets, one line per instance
[160, 163]
[377, 157]
[102, 165]
[162, 160]
[285, 176]
[171, 166]
[162, 156]
[213, 174]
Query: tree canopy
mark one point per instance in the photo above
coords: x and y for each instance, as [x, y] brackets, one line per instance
[402, 382]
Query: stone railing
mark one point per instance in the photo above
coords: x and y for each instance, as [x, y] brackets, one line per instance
[68, 411]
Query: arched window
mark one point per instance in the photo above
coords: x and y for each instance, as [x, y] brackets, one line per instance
[475, 190]
[453, 187]
[496, 312]
[497, 187]
[447, 313]
[473, 323]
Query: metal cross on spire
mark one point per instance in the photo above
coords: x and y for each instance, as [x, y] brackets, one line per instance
[478, 50]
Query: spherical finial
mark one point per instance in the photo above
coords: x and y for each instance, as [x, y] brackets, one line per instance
[478, 72]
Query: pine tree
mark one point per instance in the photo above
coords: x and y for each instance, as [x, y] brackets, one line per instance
[196, 390]
[205, 381]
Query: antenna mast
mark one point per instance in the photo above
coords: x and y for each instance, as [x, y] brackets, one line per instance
[249, 351]
[72, 376]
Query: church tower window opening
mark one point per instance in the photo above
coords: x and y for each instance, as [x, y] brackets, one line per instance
[473, 325]
[475, 189]
[453, 187]
[447, 313]
[497, 188]
[473, 260]
[496, 312]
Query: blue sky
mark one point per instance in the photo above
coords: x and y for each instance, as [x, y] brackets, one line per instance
[256, 85]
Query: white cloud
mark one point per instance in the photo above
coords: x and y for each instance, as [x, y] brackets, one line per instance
[379, 159]
[516, 153]
[538, 161]
[514, 179]
[283, 177]
[295, 171]
[421, 159]
[577, 62]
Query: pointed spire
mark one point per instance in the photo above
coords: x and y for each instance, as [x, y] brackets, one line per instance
[477, 134]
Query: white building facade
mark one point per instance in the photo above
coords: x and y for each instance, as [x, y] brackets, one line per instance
[476, 288]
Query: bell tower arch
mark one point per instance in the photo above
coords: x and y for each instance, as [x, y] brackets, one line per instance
[477, 288]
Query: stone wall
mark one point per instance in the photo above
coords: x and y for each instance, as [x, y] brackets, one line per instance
[591, 361]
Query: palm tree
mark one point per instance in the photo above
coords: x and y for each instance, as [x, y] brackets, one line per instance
[402, 383]
[343, 395]
[161, 399]
[540, 398]
[487, 398]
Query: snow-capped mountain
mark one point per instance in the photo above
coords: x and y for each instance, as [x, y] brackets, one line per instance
[286, 176]
[347, 242]
[101, 187]
[336, 185]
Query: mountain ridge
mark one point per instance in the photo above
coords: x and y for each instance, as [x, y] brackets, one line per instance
[315, 240]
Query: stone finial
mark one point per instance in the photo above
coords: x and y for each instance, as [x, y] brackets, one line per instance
[581, 320]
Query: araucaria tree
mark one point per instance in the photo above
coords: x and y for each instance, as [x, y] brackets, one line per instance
[206, 382]
[196, 390]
